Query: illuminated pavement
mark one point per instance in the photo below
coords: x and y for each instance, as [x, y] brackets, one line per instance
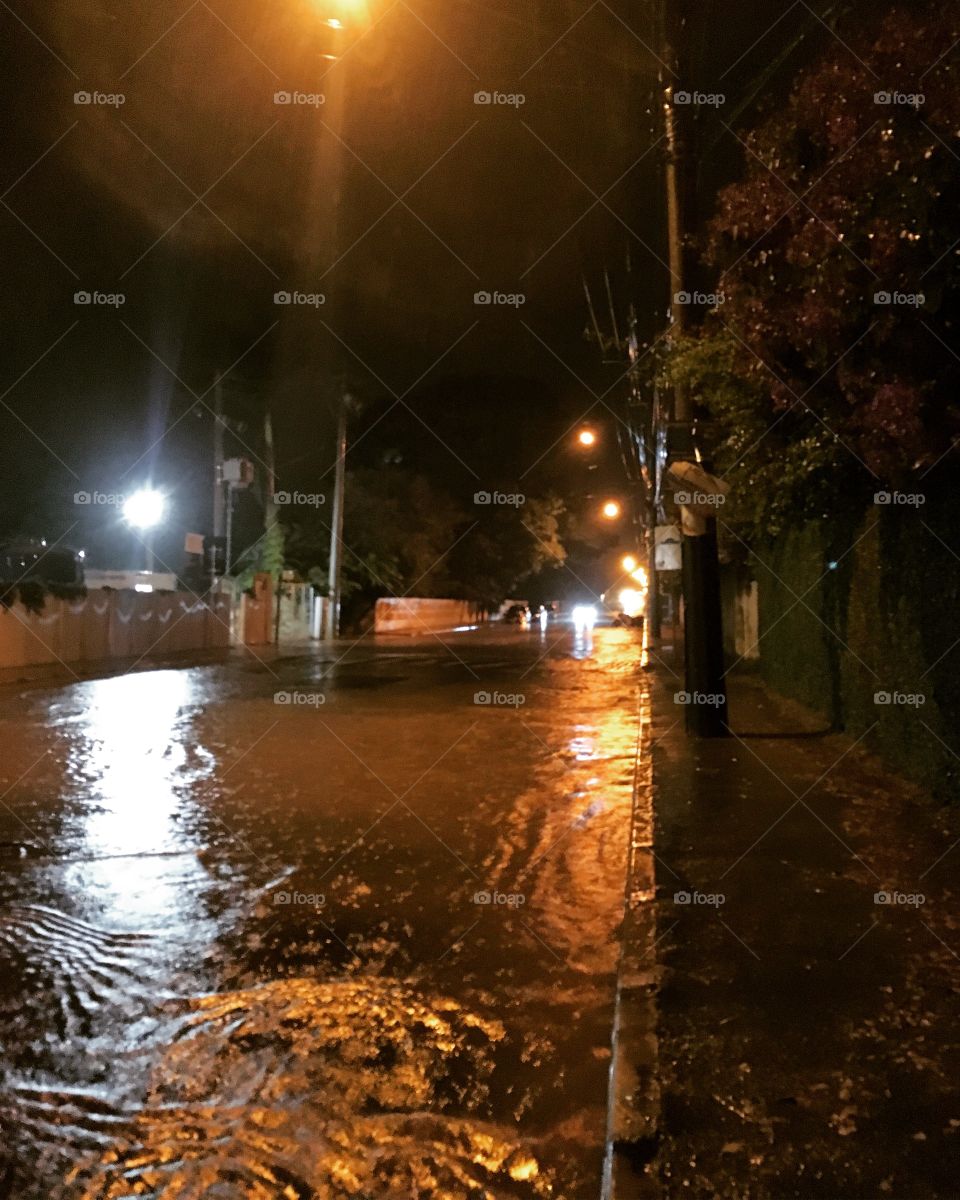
[243, 944]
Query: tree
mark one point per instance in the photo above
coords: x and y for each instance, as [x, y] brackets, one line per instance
[398, 529]
[828, 366]
[508, 548]
[403, 535]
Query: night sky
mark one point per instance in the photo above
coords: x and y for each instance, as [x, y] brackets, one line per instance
[198, 197]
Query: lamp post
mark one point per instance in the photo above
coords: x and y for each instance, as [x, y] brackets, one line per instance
[348, 12]
[144, 510]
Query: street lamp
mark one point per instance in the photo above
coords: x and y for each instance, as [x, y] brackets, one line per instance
[344, 11]
[610, 510]
[629, 563]
[587, 437]
[144, 509]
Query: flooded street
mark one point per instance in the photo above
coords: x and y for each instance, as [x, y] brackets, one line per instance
[334, 925]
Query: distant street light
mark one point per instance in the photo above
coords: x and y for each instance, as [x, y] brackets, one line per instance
[144, 509]
[629, 563]
[587, 437]
[610, 510]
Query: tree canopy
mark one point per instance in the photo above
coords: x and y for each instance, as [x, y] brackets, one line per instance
[829, 367]
[404, 535]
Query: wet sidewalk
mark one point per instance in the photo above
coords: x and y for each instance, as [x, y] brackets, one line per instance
[807, 970]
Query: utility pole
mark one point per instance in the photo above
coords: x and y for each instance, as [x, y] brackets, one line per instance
[332, 624]
[703, 620]
[218, 505]
[648, 476]
[228, 549]
[335, 112]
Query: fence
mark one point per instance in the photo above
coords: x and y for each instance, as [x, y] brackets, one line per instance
[108, 624]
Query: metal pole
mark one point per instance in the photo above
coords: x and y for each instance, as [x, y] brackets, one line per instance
[228, 551]
[332, 629]
[218, 505]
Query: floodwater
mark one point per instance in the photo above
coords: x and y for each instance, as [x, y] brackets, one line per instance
[340, 924]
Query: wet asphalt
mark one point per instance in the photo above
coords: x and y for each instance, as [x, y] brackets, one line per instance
[337, 923]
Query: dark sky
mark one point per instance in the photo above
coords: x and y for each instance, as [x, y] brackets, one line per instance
[199, 197]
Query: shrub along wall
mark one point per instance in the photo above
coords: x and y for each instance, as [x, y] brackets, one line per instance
[856, 610]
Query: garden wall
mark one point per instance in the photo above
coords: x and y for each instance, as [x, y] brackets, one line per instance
[423, 615]
[109, 624]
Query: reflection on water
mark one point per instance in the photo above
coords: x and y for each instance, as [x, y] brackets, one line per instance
[132, 749]
[155, 1048]
[288, 1154]
[295, 1088]
[582, 746]
[582, 641]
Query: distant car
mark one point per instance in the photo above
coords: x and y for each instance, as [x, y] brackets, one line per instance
[517, 614]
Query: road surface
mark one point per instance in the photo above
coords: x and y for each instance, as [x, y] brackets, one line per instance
[336, 924]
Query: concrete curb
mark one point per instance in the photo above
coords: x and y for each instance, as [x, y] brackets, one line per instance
[633, 1098]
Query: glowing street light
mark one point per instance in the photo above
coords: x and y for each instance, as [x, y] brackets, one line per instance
[629, 563]
[144, 509]
[587, 437]
[610, 510]
[343, 10]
